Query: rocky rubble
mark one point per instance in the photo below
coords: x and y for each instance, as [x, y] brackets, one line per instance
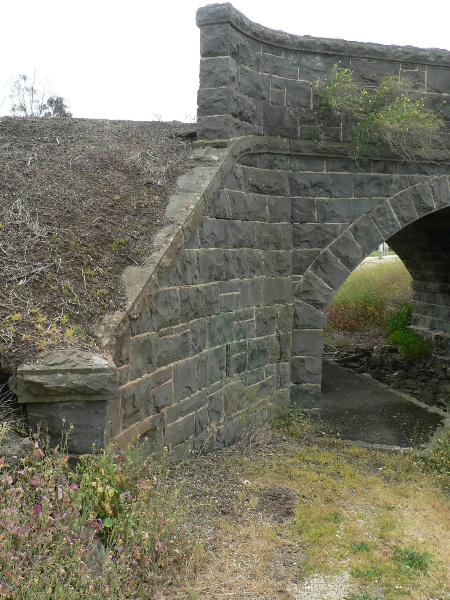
[427, 379]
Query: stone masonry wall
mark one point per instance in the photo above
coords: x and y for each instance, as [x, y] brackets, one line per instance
[223, 325]
[254, 80]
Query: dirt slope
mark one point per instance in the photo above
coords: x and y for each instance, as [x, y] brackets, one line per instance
[80, 200]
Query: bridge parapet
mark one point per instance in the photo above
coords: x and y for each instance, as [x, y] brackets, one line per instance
[254, 80]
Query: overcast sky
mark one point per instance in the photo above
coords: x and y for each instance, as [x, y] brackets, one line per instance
[139, 59]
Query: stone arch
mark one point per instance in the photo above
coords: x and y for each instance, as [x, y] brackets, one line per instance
[387, 221]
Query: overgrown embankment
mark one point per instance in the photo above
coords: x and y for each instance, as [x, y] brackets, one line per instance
[80, 200]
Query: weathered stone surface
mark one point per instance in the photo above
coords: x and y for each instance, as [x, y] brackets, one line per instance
[67, 375]
[87, 420]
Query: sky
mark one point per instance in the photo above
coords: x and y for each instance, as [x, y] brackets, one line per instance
[139, 59]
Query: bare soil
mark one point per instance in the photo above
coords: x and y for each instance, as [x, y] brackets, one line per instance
[80, 200]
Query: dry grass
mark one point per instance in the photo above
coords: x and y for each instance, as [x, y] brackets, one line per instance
[306, 516]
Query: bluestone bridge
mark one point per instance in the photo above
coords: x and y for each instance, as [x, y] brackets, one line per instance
[224, 322]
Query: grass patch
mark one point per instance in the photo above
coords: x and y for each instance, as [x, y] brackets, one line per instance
[356, 511]
[363, 302]
[378, 300]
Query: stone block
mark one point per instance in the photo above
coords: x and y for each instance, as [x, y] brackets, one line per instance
[306, 369]
[211, 366]
[307, 316]
[304, 210]
[404, 209]
[248, 206]
[221, 329]
[266, 320]
[439, 188]
[185, 379]
[438, 80]
[273, 236]
[307, 164]
[322, 185]
[343, 210]
[216, 407]
[278, 263]
[283, 375]
[251, 292]
[233, 397]
[224, 127]
[67, 375]
[88, 420]
[330, 269]
[348, 251]
[219, 72]
[307, 342]
[366, 234]
[165, 307]
[200, 301]
[312, 290]
[279, 120]
[299, 95]
[229, 302]
[183, 272]
[258, 354]
[266, 182]
[180, 431]
[314, 235]
[281, 66]
[384, 218]
[245, 329]
[138, 401]
[422, 198]
[279, 209]
[302, 260]
[163, 396]
[173, 348]
[213, 101]
[274, 161]
[276, 290]
[238, 364]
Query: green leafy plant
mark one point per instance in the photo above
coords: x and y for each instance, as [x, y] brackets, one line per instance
[363, 596]
[420, 561]
[388, 114]
[410, 344]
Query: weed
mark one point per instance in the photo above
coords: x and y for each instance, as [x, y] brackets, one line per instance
[410, 344]
[117, 244]
[363, 596]
[298, 424]
[368, 572]
[360, 547]
[386, 114]
[113, 527]
[419, 561]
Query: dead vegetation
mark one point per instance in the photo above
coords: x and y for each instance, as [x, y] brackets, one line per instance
[80, 200]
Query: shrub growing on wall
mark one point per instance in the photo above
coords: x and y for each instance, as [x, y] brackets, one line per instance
[388, 114]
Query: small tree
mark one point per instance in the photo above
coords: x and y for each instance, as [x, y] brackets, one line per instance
[28, 101]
